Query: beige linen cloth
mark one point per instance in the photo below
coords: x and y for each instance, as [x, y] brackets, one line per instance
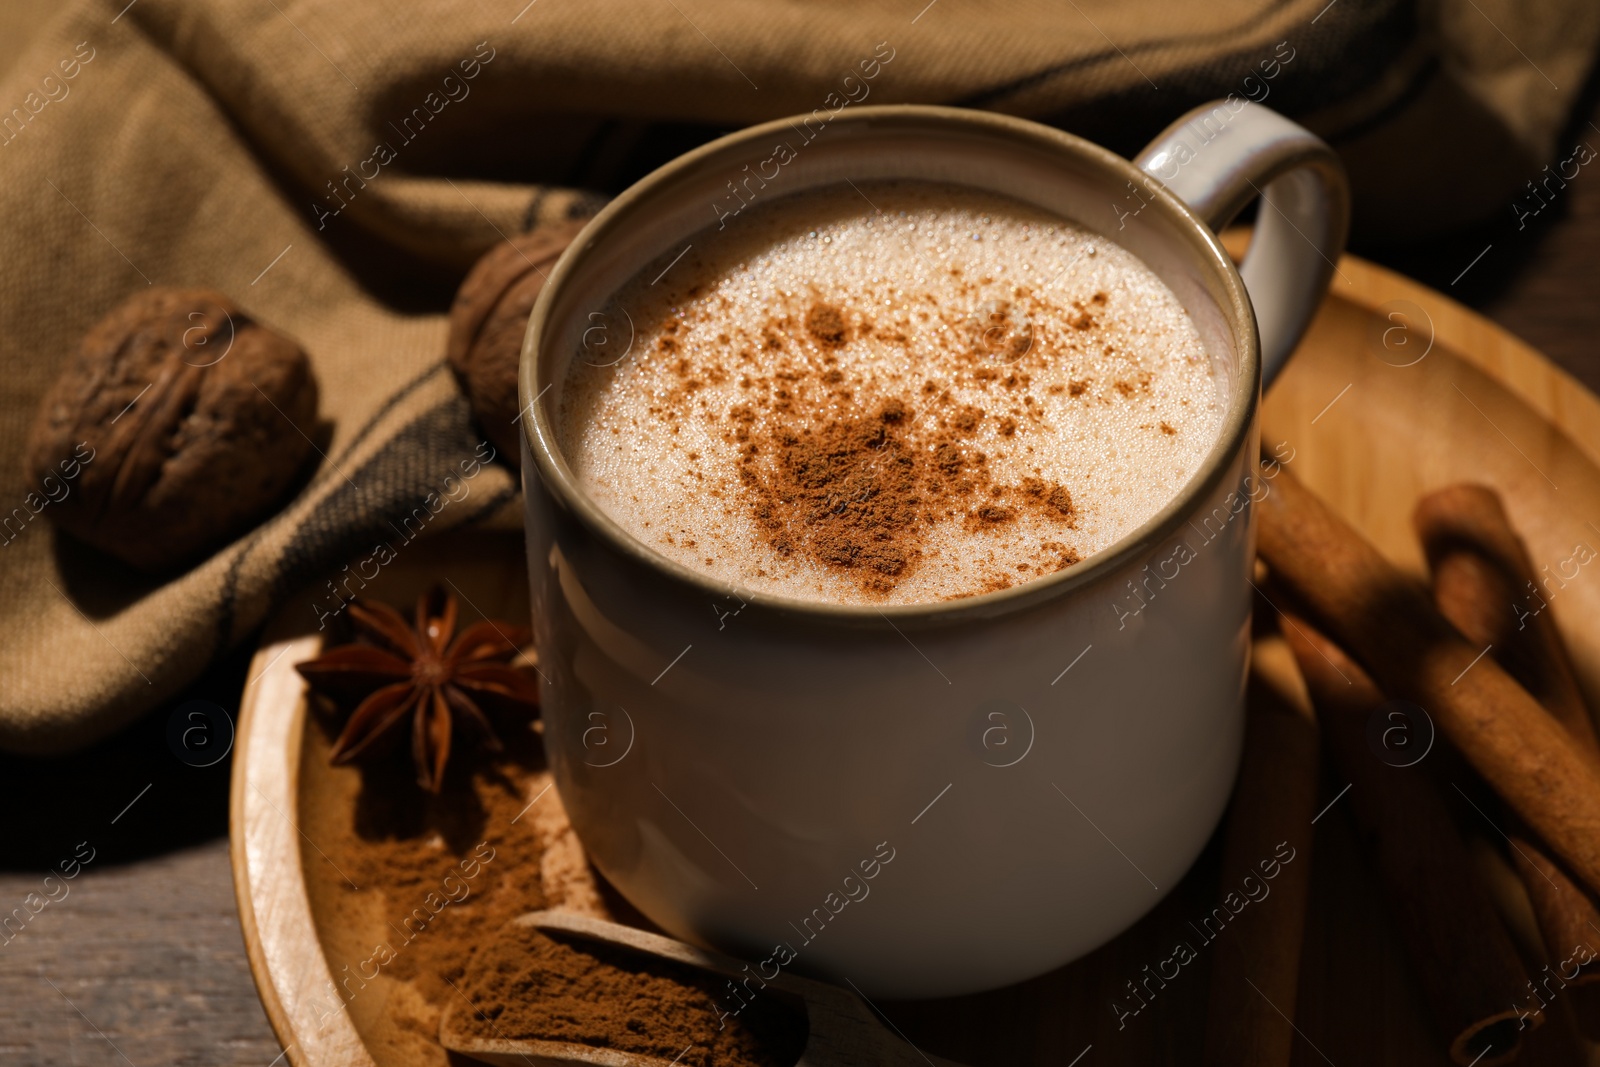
[212, 143]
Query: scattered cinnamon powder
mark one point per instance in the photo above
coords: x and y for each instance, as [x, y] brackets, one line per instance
[862, 492]
[825, 323]
[994, 514]
[412, 893]
[847, 492]
[405, 888]
[451, 868]
[528, 984]
[1060, 557]
[1050, 496]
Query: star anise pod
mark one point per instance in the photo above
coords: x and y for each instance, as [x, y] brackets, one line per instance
[399, 670]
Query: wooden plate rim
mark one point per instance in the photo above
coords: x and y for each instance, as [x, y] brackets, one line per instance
[253, 807]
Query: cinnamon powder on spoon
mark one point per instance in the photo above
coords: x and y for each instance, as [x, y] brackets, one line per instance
[527, 984]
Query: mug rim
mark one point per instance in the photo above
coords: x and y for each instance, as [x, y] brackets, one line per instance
[538, 432]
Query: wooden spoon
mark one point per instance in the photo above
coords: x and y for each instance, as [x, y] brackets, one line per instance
[843, 1031]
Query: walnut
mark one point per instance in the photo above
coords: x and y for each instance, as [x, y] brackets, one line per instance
[195, 418]
[487, 323]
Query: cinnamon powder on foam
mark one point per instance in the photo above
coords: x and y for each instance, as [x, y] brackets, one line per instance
[841, 413]
[863, 491]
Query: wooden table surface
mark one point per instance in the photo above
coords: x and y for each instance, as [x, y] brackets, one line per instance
[141, 962]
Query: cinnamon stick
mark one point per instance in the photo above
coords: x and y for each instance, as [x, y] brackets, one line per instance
[1484, 583]
[1482, 577]
[1255, 974]
[1390, 625]
[1471, 978]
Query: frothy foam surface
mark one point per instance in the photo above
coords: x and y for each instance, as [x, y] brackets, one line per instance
[896, 393]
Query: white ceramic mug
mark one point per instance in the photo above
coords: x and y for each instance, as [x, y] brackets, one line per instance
[938, 798]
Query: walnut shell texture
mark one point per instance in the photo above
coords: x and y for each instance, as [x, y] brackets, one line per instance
[487, 323]
[196, 419]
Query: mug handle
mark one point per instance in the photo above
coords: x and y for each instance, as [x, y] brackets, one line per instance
[1224, 154]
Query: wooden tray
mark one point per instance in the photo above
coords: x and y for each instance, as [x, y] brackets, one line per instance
[1396, 390]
